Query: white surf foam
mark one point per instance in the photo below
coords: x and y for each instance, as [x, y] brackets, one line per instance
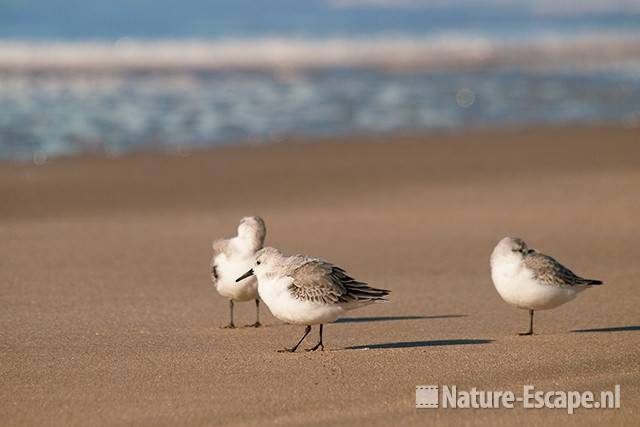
[447, 51]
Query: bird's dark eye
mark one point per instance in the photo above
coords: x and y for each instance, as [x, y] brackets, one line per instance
[258, 262]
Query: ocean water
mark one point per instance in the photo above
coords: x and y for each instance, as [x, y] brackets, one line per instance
[113, 77]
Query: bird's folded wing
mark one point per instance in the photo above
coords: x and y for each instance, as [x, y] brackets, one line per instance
[316, 280]
[549, 271]
[320, 281]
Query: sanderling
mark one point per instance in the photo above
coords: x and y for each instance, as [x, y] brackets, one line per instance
[232, 257]
[533, 281]
[307, 291]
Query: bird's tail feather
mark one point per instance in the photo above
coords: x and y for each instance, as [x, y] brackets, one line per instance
[362, 291]
[589, 282]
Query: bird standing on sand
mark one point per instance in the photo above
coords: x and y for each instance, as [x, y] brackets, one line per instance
[533, 281]
[232, 257]
[307, 291]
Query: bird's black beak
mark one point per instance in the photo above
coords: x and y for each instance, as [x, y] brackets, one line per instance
[245, 275]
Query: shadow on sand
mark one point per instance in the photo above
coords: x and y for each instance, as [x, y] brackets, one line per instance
[387, 318]
[611, 329]
[411, 344]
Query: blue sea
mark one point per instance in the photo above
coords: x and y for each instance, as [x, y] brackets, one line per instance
[118, 76]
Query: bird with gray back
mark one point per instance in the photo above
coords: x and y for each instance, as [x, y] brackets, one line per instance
[233, 256]
[531, 280]
[308, 291]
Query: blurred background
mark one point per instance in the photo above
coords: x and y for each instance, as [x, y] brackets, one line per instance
[116, 76]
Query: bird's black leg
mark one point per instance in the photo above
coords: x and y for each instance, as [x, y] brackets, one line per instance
[295, 347]
[230, 325]
[530, 331]
[257, 324]
[319, 345]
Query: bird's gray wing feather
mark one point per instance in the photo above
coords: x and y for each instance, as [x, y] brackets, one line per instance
[549, 271]
[320, 281]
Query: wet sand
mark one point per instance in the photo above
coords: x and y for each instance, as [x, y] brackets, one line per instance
[108, 317]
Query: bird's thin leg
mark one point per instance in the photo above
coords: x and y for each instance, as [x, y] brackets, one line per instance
[230, 325]
[295, 347]
[319, 345]
[257, 324]
[530, 331]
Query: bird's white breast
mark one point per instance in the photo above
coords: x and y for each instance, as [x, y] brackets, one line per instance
[229, 269]
[275, 294]
[517, 286]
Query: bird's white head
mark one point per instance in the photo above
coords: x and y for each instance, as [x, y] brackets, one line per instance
[267, 261]
[510, 248]
[252, 228]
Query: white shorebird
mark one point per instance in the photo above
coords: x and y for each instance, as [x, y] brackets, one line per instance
[232, 257]
[531, 280]
[307, 291]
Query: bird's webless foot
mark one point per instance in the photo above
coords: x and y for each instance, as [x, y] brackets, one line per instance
[318, 346]
[253, 325]
[522, 334]
[229, 326]
[287, 350]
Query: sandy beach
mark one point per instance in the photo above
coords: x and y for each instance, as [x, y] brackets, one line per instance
[108, 317]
